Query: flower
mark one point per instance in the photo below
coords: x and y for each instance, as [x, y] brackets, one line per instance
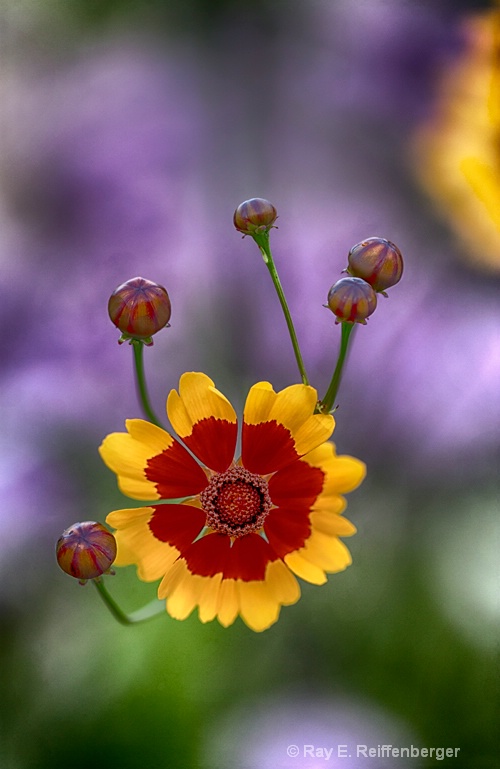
[236, 532]
[86, 550]
[456, 151]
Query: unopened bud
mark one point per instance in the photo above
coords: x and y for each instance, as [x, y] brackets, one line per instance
[139, 308]
[352, 300]
[86, 550]
[378, 261]
[255, 216]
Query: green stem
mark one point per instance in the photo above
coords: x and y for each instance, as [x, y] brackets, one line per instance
[262, 240]
[326, 404]
[141, 382]
[152, 609]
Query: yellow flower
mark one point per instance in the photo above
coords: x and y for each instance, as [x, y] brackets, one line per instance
[458, 157]
[243, 528]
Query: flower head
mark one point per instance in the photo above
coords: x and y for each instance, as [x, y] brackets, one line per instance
[456, 150]
[235, 532]
[86, 550]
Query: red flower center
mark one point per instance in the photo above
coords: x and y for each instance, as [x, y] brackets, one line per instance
[236, 502]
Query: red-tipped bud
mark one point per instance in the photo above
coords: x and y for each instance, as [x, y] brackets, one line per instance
[255, 216]
[378, 261]
[139, 308]
[352, 300]
[86, 550]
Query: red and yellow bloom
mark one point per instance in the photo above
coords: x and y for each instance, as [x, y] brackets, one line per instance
[243, 528]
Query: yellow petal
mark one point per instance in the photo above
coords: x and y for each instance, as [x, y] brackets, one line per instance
[130, 516]
[328, 553]
[347, 474]
[304, 568]
[197, 399]
[124, 555]
[137, 489]
[282, 584]
[184, 595]
[313, 432]
[209, 598]
[293, 406]
[331, 523]
[343, 473]
[228, 602]
[258, 607]
[259, 403]
[258, 602]
[172, 578]
[155, 438]
[184, 591]
[182, 602]
[127, 455]
[332, 504]
[137, 545]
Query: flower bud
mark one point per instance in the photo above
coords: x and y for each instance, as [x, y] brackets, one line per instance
[86, 550]
[352, 300]
[139, 308]
[254, 216]
[378, 261]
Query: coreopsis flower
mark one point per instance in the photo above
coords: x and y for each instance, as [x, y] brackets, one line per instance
[457, 150]
[237, 532]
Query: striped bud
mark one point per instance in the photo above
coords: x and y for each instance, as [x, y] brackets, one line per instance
[378, 261]
[255, 216]
[86, 550]
[352, 300]
[139, 308]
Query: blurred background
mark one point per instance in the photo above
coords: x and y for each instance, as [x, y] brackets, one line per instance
[129, 133]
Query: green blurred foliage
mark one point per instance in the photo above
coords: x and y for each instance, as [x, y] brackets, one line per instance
[200, 15]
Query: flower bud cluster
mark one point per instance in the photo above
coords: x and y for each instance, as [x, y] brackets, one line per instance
[374, 265]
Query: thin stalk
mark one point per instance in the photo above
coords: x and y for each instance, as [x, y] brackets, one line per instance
[141, 382]
[150, 610]
[326, 405]
[262, 240]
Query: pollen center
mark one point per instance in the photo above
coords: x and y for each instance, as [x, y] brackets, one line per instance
[236, 502]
